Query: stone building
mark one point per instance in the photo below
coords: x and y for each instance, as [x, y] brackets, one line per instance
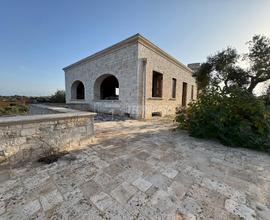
[133, 77]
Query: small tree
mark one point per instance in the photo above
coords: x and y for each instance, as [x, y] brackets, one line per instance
[223, 71]
[58, 97]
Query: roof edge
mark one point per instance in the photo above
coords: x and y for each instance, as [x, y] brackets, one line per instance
[104, 51]
[154, 47]
[138, 38]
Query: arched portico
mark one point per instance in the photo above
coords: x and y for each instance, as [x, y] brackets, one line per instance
[106, 87]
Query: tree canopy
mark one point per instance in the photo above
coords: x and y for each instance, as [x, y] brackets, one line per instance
[222, 70]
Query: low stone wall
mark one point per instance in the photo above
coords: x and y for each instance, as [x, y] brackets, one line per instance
[25, 138]
[79, 106]
[39, 109]
[106, 106]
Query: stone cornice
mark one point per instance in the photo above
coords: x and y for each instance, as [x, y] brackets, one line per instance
[137, 38]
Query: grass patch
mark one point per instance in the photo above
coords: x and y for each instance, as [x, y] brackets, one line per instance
[15, 109]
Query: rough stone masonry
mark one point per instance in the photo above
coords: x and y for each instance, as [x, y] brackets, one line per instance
[24, 138]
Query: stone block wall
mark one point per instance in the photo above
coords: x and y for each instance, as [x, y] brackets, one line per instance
[122, 64]
[132, 62]
[26, 138]
[80, 106]
[166, 105]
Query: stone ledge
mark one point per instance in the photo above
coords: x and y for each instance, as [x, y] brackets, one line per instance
[155, 98]
[105, 100]
[41, 118]
[57, 109]
[77, 101]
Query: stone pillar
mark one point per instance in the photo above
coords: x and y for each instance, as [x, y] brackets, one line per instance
[141, 86]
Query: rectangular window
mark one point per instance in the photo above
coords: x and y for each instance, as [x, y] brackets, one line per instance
[184, 94]
[157, 84]
[173, 88]
[192, 92]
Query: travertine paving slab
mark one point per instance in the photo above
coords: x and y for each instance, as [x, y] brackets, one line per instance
[240, 209]
[31, 208]
[123, 192]
[102, 201]
[50, 200]
[170, 173]
[141, 170]
[142, 184]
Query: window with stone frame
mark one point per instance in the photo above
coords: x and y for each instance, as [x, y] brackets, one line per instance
[173, 88]
[157, 82]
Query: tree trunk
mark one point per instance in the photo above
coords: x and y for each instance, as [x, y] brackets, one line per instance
[252, 86]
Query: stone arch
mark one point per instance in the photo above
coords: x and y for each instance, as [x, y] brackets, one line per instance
[106, 87]
[77, 90]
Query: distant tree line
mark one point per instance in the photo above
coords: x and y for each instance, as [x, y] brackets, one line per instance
[18, 105]
[58, 97]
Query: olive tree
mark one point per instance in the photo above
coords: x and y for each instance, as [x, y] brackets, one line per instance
[223, 72]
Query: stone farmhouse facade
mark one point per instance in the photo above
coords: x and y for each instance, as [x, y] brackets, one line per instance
[133, 77]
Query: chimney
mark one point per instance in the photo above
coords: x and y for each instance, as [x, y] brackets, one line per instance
[194, 66]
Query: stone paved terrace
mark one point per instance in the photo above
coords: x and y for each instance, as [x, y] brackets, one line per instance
[141, 170]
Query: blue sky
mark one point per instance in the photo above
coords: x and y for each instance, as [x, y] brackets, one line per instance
[40, 37]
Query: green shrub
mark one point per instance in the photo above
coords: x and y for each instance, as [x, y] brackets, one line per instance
[266, 100]
[58, 97]
[236, 119]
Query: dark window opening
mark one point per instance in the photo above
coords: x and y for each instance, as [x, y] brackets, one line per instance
[184, 94]
[173, 88]
[156, 114]
[192, 92]
[77, 90]
[109, 89]
[127, 115]
[157, 84]
[80, 91]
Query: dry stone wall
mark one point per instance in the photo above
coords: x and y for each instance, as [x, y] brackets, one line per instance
[25, 138]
